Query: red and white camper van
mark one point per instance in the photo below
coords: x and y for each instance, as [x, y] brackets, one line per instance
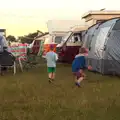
[53, 39]
[71, 43]
[48, 39]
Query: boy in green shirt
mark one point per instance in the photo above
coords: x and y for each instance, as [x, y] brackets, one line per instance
[51, 58]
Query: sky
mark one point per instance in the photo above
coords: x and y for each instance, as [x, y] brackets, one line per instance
[21, 17]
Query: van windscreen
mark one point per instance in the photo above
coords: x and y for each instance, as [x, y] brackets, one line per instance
[58, 39]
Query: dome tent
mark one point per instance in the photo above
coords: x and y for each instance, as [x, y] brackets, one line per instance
[88, 35]
[104, 52]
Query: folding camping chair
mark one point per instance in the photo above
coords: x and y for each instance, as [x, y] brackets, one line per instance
[28, 63]
[7, 60]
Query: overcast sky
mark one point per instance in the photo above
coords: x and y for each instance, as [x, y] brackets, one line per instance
[20, 17]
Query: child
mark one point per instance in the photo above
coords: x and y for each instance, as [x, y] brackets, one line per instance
[78, 67]
[51, 58]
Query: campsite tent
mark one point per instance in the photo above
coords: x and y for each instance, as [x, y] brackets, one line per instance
[88, 35]
[104, 53]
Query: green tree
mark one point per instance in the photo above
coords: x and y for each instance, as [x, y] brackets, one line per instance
[11, 38]
[30, 37]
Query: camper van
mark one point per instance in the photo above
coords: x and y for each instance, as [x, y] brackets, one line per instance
[47, 42]
[53, 39]
[47, 39]
[34, 47]
[71, 43]
[58, 36]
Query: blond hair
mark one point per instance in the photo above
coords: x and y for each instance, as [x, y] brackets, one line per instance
[82, 50]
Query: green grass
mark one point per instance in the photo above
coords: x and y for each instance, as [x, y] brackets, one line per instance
[29, 96]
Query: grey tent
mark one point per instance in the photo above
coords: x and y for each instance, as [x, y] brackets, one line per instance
[83, 35]
[88, 35]
[104, 52]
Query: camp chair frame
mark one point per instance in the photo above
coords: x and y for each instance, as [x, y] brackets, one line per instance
[28, 64]
[7, 60]
[11, 66]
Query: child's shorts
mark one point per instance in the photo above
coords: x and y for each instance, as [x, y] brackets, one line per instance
[51, 69]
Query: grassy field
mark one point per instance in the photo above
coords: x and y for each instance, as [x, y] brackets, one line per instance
[29, 96]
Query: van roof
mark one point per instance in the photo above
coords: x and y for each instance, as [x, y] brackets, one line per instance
[79, 28]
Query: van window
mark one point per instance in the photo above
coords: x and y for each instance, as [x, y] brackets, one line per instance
[58, 39]
[75, 38]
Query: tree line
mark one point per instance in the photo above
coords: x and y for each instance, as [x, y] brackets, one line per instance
[26, 38]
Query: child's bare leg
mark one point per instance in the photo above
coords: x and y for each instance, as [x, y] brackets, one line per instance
[50, 77]
[53, 76]
[80, 80]
[84, 75]
[75, 79]
[53, 73]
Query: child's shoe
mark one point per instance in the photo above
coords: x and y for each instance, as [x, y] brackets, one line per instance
[50, 81]
[77, 84]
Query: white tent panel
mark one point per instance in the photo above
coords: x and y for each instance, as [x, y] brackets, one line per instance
[99, 46]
